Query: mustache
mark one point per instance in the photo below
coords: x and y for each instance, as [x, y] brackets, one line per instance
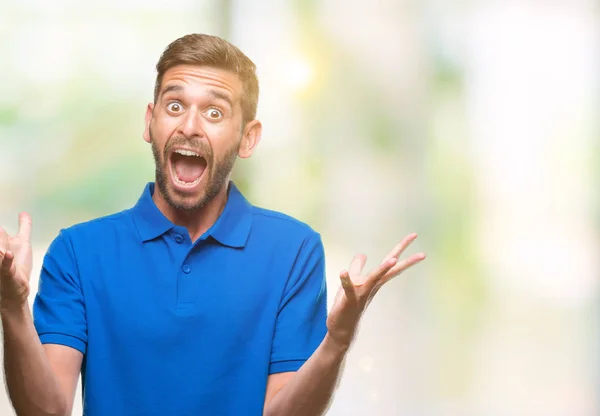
[194, 144]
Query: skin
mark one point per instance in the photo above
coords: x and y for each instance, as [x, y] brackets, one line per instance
[198, 108]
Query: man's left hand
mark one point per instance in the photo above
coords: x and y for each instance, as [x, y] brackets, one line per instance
[357, 290]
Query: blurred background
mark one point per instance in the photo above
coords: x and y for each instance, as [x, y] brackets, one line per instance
[471, 122]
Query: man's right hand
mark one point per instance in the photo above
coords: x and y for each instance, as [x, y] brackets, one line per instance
[15, 265]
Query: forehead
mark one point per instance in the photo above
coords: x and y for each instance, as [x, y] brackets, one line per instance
[195, 79]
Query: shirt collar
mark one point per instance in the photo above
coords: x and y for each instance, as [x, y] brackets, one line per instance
[231, 228]
[148, 219]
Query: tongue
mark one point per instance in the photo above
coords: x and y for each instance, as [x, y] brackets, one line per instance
[189, 168]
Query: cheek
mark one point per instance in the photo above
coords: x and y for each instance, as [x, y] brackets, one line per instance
[224, 134]
[159, 136]
[215, 130]
[162, 126]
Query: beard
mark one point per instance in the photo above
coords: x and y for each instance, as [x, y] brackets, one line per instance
[216, 171]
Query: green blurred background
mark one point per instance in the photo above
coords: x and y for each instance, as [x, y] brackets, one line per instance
[473, 123]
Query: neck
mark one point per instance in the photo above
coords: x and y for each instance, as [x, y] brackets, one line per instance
[196, 221]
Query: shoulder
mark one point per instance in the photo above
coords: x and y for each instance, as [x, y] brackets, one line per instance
[82, 239]
[97, 228]
[282, 224]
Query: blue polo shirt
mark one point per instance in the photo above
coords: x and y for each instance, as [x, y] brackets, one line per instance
[168, 327]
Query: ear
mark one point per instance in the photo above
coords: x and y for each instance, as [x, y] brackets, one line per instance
[250, 139]
[149, 110]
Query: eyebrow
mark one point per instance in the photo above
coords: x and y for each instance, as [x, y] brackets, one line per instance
[171, 88]
[221, 96]
[213, 93]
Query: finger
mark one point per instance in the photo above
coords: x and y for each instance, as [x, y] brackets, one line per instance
[7, 264]
[357, 264]
[348, 286]
[402, 266]
[377, 274]
[400, 247]
[3, 241]
[24, 226]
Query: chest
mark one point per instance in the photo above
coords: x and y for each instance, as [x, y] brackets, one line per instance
[161, 293]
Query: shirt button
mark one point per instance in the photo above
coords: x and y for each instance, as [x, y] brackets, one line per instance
[186, 268]
[178, 239]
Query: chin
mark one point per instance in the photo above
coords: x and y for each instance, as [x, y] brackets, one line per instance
[185, 200]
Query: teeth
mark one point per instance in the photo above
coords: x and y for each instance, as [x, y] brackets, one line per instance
[186, 152]
[186, 183]
[180, 182]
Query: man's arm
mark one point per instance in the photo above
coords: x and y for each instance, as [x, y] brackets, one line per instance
[41, 379]
[309, 391]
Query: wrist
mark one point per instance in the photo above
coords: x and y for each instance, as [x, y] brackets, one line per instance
[10, 310]
[336, 346]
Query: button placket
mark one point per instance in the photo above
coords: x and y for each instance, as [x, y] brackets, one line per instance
[186, 281]
[188, 275]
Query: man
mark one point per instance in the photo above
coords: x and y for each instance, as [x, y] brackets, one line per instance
[193, 302]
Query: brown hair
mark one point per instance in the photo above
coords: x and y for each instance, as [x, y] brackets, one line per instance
[207, 50]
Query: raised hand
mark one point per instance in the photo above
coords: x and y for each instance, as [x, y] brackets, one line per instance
[357, 290]
[15, 265]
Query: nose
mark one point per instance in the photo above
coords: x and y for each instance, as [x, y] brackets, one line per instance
[190, 124]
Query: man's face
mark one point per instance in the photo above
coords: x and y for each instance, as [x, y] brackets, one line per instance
[195, 128]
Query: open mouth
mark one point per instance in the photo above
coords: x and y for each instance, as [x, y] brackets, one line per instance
[187, 167]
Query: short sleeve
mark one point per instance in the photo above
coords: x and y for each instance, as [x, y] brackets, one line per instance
[301, 320]
[59, 307]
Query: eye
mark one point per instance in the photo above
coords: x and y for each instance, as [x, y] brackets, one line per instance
[214, 114]
[174, 107]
